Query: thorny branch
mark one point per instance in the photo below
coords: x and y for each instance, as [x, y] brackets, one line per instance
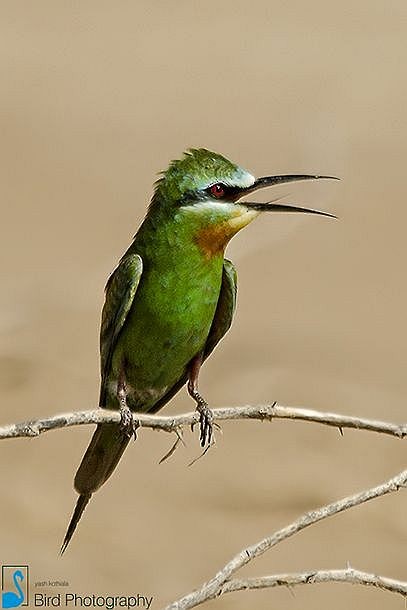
[176, 422]
[222, 582]
[348, 575]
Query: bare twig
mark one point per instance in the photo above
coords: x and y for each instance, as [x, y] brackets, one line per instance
[217, 584]
[349, 575]
[176, 422]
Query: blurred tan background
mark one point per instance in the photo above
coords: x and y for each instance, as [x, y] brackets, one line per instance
[96, 98]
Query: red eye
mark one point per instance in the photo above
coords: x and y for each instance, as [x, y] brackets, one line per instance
[217, 190]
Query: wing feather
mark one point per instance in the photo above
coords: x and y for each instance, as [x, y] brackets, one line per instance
[121, 288]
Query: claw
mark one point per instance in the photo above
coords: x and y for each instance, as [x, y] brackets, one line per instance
[205, 422]
[128, 425]
[205, 414]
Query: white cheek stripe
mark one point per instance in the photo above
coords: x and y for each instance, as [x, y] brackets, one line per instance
[213, 205]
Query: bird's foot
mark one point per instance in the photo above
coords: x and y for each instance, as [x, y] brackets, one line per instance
[205, 420]
[128, 424]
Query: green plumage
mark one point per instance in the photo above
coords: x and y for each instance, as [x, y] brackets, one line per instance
[165, 303]
[170, 300]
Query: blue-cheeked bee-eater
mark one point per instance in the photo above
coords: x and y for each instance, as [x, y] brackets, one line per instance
[170, 301]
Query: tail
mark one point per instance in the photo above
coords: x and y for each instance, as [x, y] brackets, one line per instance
[101, 458]
[77, 514]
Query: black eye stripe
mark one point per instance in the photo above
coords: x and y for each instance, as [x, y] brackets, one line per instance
[215, 190]
[231, 193]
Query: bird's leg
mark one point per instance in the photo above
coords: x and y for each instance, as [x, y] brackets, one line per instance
[205, 414]
[128, 425]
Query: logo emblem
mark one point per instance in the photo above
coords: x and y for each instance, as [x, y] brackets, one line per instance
[14, 586]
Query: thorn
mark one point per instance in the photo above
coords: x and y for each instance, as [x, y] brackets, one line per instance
[170, 451]
[174, 446]
[272, 407]
[340, 430]
[178, 432]
[291, 590]
[203, 453]
[218, 427]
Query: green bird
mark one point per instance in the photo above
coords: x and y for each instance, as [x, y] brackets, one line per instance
[170, 301]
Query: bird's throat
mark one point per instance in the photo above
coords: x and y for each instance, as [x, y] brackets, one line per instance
[213, 238]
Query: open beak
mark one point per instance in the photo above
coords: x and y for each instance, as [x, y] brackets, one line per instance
[266, 181]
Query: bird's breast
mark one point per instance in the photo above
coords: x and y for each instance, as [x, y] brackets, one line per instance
[168, 324]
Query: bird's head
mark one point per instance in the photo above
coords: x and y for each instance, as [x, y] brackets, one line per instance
[205, 190]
